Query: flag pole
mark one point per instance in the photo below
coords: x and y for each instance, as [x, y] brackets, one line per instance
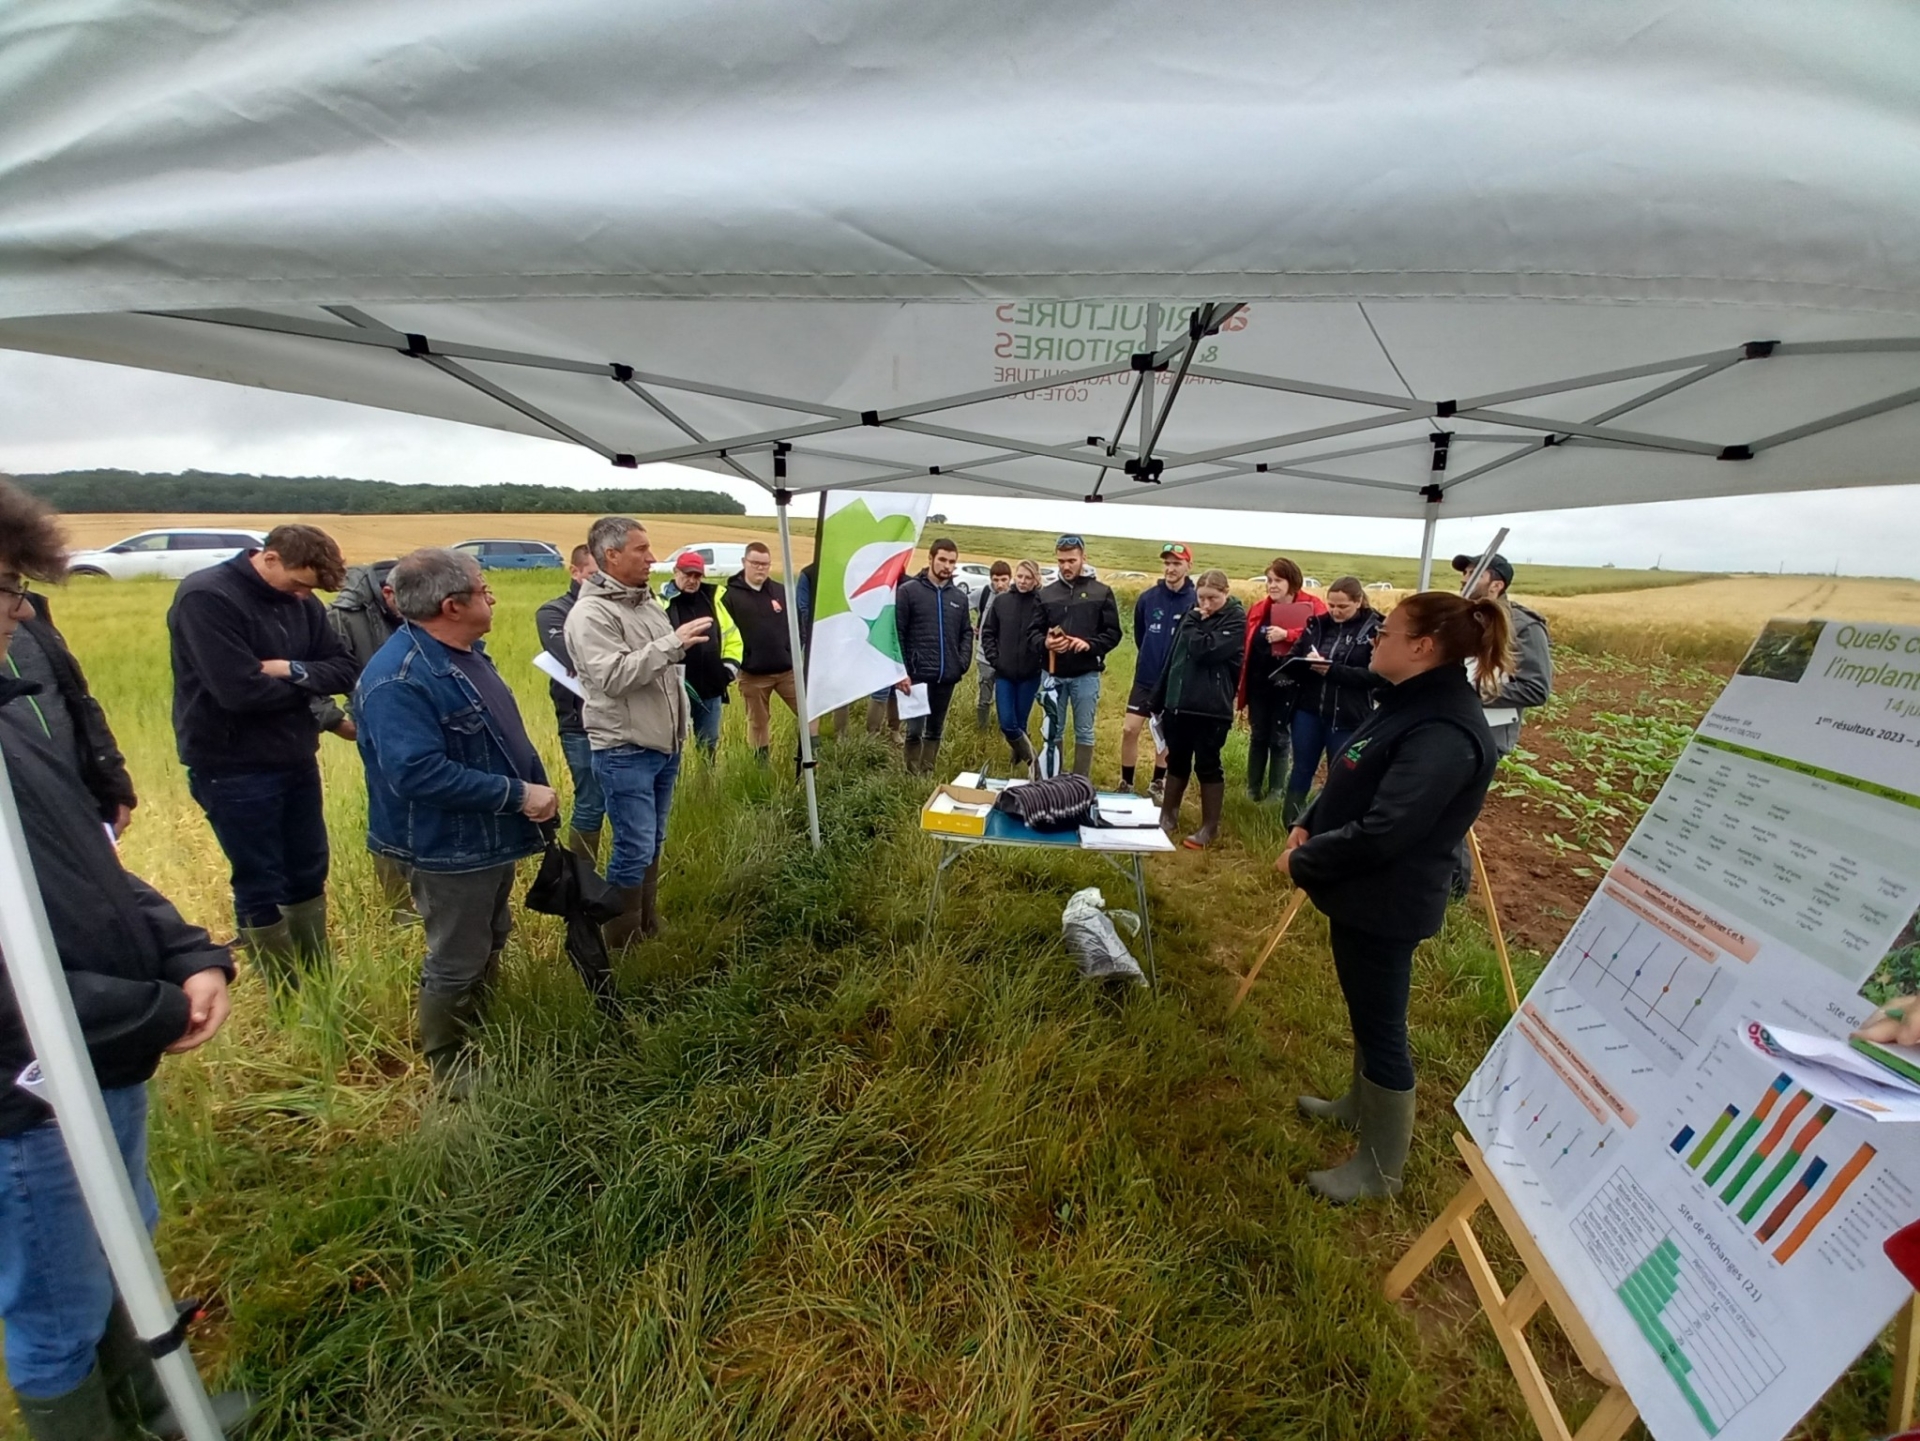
[782, 498]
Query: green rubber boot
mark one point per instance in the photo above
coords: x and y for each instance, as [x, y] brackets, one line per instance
[138, 1400]
[81, 1414]
[1344, 1110]
[446, 1032]
[396, 891]
[271, 949]
[307, 927]
[1386, 1134]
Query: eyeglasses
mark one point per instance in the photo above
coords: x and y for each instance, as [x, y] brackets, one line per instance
[19, 593]
[485, 590]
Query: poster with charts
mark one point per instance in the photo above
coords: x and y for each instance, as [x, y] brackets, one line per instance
[1719, 1228]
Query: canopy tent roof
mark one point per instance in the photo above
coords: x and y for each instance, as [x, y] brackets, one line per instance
[1537, 258]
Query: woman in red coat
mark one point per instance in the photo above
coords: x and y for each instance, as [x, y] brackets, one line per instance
[1274, 625]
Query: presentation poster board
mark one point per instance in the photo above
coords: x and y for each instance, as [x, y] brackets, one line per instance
[1717, 1225]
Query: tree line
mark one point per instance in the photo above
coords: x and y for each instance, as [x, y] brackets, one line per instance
[207, 492]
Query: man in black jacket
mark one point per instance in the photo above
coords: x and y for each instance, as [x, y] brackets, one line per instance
[68, 714]
[143, 983]
[251, 649]
[589, 803]
[758, 605]
[934, 621]
[1078, 622]
[713, 667]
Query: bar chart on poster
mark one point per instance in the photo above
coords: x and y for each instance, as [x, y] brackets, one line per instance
[1695, 1202]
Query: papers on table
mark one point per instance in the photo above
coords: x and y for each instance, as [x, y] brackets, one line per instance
[1835, 1072]
[914, 703]
[1124, 838]
[557, 673]
[1123, 810]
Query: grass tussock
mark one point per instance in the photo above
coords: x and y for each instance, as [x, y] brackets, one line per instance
[832, 1178]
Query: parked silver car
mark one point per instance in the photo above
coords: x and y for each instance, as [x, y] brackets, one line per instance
[171, 552]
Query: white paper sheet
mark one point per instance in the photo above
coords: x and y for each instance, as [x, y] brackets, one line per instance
[554, 671]
[1129, 811]
[915, 703]
[1123, 838]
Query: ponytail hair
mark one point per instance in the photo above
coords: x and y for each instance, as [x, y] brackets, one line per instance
[1462, 629]
[1215, 580]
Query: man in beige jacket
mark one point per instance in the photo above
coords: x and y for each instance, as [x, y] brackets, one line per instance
[629, 659]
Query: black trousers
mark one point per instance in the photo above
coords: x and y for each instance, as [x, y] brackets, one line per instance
[1193, 744]
[273, 829]
[1376, 974]
[1269, 743]
[931, 726]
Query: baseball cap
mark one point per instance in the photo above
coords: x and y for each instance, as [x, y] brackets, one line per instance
[1499, 567]
[690, 561]
[1173, 550]
[1070, 542]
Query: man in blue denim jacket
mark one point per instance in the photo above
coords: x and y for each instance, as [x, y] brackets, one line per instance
[455, 790]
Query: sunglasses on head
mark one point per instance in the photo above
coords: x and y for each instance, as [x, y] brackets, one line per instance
[1069, 542]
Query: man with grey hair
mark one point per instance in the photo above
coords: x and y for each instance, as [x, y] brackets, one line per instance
[630, 660]
[455, 790]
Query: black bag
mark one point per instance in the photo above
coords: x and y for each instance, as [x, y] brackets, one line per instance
[568, 886]
[1058, 803]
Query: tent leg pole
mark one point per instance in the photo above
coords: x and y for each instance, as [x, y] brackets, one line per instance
[780, 499]
[46, 1007]
[1426, 544]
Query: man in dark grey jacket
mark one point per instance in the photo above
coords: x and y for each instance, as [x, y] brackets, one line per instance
[68, 714]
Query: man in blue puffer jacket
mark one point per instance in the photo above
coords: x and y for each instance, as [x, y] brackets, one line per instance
[935, 626]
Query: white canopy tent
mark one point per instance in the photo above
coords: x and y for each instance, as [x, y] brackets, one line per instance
[1388, 260]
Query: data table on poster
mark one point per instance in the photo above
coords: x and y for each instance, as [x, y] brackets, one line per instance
[1784, 848]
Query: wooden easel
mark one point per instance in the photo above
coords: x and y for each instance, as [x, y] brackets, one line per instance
[1486, 897]
[1906, 1365]
[1509, 1312]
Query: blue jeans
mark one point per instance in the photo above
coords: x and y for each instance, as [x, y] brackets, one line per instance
[55, 1288]
[271, 825]
[589, 806]
[1014, 700]
[706, 721]
[1312, 738]
[1081, 695]
[638, 785]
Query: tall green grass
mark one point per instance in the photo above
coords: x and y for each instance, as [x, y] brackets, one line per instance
[831, 1178]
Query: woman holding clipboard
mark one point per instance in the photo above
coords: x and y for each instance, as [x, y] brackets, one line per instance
[1274, 627]
[1336, 688]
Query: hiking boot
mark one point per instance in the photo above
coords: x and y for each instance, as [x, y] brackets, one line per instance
[1343, 1110]
[81, 1414]
[1176, 792]
[1212, 795]
[271, 949]
[307, 928]
[138, 1400]
[1385, 1121]
[625, 927]
[1157, 789]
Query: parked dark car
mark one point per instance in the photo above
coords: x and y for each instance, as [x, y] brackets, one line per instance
[513, 554]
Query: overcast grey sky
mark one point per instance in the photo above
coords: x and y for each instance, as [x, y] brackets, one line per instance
[67, 414]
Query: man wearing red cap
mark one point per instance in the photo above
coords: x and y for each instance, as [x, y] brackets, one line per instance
[710, 669]
[1156, 615]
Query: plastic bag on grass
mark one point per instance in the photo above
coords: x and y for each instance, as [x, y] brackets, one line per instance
[1093, 937]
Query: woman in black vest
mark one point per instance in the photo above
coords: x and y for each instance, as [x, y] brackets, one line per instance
[1375, 853]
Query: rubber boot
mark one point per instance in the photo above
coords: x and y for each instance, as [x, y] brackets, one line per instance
[980, 713]
[1083, 761]
[395, 892]
[138, 1400]
[929, 756]
[307, 924]
[1385, 1122]
[1343, 1110]
[623, 928]
[81, 1414]
[585, 844]
[1291, 807]
[1021, 747]
[876, 716]
[446, 1030]
[650, 901]
[1170, 803]
[760, 756]
[910, 753]
[271, 949]
[1212, 795]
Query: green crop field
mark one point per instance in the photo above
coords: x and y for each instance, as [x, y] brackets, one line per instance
[832, 1178]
